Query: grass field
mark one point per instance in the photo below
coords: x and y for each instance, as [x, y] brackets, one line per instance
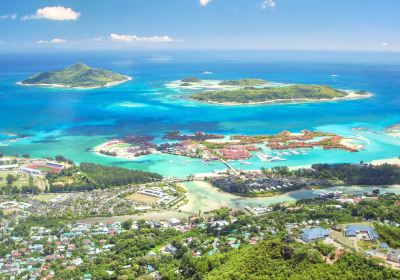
[23, 180]
[137, 197]
[44, 168]
[340, 238]
[45, 197]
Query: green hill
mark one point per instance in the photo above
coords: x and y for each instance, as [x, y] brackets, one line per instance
[269, 94]
[77, 75]
[278, 260]
[243, 82]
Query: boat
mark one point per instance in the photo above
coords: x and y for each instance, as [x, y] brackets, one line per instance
[295, 152]
[278, 159]
[287, 153]
[245, 163]
[263, 157]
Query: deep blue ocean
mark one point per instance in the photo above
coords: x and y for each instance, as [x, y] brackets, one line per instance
[71, 122]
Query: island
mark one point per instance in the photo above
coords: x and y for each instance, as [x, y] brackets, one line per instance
[249, 91]
[393, 130]
[224, 148]
[78, 75]
[276, 94]
[243, 82]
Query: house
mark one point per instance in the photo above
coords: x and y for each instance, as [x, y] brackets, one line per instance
[170, 249]
[394, 255]
[312, 234]
[37, 248]
[174, 222]
[361, 232]
[384, 246]
[220, 224]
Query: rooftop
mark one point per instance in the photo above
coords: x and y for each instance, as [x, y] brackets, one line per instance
[314, 233]
[353, 230]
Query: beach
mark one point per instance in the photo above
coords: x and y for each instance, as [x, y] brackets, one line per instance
[395, 161]
[59, 86]
[351, 95]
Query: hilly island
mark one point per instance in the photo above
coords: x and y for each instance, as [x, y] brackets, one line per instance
[256, 91]
[78, 75]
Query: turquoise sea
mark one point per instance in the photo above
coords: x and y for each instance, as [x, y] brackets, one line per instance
[71, 122]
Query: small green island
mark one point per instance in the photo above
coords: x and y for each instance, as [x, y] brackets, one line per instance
[257, 91]
[78, 75]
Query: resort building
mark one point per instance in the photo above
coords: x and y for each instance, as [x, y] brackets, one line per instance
[30, 171]
[174, 222]
[313, 234]
[394, 255]
[361, 232]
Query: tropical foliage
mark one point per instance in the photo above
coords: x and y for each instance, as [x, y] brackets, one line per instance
[77, 75]
[252, 94]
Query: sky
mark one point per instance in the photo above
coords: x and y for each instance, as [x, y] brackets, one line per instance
[338, 25]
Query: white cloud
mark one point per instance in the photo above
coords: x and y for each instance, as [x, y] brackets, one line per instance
[58, 41]
[204, 2]
[384, 44]
[10, 16]
[53, 41]
[265, 4]
[134, 38]
[54, 13]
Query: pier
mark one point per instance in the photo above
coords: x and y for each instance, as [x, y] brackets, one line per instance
[229, 166]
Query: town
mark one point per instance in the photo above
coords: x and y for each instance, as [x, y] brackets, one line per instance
[63, 221]
[334, 224]
[211, 147]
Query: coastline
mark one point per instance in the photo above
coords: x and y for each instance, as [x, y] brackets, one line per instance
[393, 161]
[349, 142]
[60, 86]
[206, 198]
[351, 95]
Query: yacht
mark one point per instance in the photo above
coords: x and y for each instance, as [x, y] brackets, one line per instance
[278, 159]
[303, 152]
[263, 157]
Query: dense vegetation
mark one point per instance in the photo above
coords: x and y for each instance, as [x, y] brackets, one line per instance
[243, 82]
[90, 176]
[278, 256]
[354, 174]
[389, 234]
[77, 75]
[320, 175]
[191, 80]
[277, 260]
[251, 94]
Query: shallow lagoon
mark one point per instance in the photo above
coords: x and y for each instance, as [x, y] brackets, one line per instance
[72, 122]
[202, 196]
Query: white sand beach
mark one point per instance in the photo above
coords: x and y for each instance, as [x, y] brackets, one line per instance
[111, 84]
